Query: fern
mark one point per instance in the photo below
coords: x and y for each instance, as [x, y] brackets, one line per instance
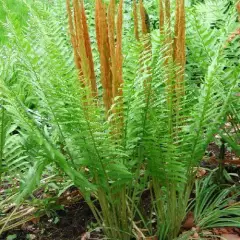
[151, 135]
[203, 37]
[211, 208]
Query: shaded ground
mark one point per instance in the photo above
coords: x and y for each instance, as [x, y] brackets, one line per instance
[66, 225]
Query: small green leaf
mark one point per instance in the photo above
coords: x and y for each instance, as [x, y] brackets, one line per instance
[11, 237]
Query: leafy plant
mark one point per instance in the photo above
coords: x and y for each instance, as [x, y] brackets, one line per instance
[215, 207]
[136, 124]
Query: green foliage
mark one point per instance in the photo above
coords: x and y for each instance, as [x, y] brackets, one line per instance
[42, 97]
[211, 23]
[19, 10]
[215, 207]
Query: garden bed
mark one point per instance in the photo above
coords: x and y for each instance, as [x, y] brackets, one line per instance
[76, 220]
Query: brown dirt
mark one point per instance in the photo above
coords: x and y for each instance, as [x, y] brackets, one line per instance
[72, 224]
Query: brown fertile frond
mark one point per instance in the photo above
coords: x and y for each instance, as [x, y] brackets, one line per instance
[179, 55]
[165, 28]
[135, 17]
[119, 56]
[175, 52]
[238, 7]
[88, 51]
[117, 66]
[77, 58]
[167, 20]
[109, 42]
[81, 45]
[145, 27]
[144, 18]
[104, 52]
[168, 12]
[97, 19]
[109, 39]
[161, 16]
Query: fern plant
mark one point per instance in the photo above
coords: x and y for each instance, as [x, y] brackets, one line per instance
[136, 124]
[213, 21]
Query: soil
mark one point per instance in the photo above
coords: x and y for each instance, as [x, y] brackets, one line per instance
[230, 159]
[70, 224]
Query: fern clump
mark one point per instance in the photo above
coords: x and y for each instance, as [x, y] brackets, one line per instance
[116, 109]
